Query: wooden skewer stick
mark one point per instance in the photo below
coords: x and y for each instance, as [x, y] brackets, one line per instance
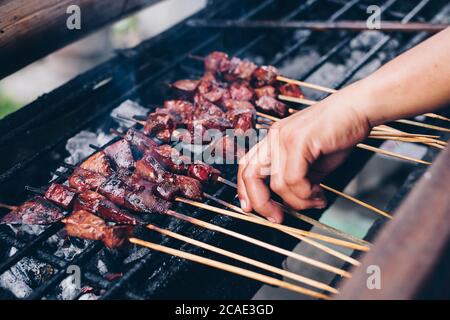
[423, 125]
[7, 206]
[293, 213]
[313, 243]
[391, 154]
[365, 205]
[259, 243]
[226, 267]
[411, 140]
[436, 116]
[269, 224]
[306, 84]
[238, 257]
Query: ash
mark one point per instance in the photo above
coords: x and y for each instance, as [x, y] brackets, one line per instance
[25, 276]
[127, 109]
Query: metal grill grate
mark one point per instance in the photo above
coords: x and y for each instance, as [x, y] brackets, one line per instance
[141, 74]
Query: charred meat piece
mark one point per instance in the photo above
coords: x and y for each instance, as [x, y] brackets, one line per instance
[217, 62]
[99, 163]
[36, 211]
[165, 136]
[291, 90]
[139, 141]
[240, 90]
[85, 225]
[209, 91]
[121, 155]
[272, 105]
[60, 194]
[150, 169]
[171, 158]
[208, 110]
[189, 187]
[185, 88]
[104, 208]
[240, 69]
[266, 91]
[157, 122]
[203, 172]
[146, 202]
[239, 106]
[180, 110]
[217, 123]
[227, 148]
[82, 180]
[242, 120]
[115, 190]
[265, 75]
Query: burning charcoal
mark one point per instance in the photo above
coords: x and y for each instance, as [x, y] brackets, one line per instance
[121, 155]
[60, 194]
[291, 90]
[37, 211]
[98, 163]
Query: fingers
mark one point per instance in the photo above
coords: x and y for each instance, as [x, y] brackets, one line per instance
[252, 190]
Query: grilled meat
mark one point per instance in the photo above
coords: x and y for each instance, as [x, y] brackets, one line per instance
[272, 105]
[139, 141]
[83, 224]
[291, 90]
[203, 172]
[82, 180]
[99, 163]
[61, 195]
[240, 69]
[121, 155]
[265, 75]
[185, 88]
[240, 90]
[217, 62]
[266, 91]
[104, 208]
[37, 211]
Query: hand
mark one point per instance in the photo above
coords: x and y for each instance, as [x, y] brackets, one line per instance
[299, 152]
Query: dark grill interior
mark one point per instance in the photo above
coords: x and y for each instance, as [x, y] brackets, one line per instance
[33, 140]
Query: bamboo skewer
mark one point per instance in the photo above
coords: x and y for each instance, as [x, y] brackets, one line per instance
[226, 267]
[294, 213]
[267, 223]
[7, 206]
[313, 243]
[259, 243]
[365, 205]
[423, 125]
[238, 257]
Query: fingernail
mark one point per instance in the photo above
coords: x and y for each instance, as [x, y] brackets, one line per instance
[271, 219]
[243, 204]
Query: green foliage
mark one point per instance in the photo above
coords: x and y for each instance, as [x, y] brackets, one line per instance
[7, 105]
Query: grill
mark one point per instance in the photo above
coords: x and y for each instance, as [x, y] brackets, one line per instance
[33, 140]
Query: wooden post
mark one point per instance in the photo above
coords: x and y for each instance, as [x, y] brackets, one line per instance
[31, 29]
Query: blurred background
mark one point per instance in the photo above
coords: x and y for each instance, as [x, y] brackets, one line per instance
[49, 73]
